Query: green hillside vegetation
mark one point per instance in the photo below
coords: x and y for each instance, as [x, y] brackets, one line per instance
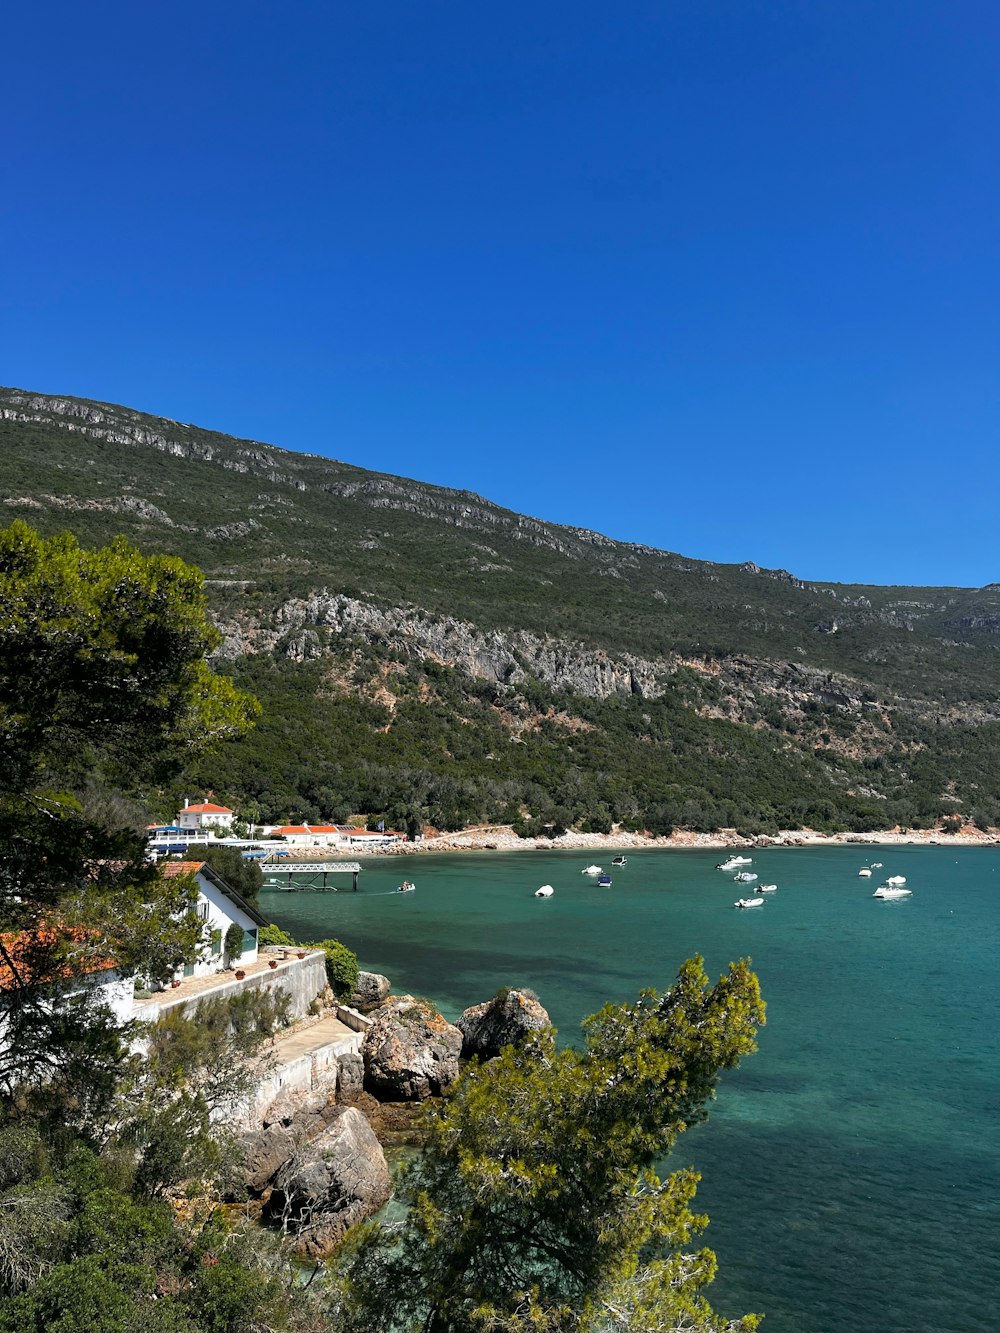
[800, 704]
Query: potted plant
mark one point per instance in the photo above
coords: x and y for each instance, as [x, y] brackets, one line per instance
[240, 974]
[272, 963]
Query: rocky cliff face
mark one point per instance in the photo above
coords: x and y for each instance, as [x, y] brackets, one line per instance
[303, 629]
[505, 657]
[374, 576]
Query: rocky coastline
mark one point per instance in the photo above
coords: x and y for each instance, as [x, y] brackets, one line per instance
[314, 1163]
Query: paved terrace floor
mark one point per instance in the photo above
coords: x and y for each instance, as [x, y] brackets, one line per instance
[191, 987]
[299, 1041]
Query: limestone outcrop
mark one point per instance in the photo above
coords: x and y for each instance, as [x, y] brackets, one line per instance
[330, 1184]
[286, 1125]
[350, 1077]
[370, 990]
[410, 1051]
[506, 1020]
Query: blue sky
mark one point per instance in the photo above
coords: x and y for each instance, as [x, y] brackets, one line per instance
[719, 277]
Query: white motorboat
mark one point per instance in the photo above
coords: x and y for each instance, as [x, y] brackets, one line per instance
[591, 870]
[891, 891]
[745, 877]
[896, 880]
[749, 902]
[546, 891]
[865, 873]
[767, 888]
[620, 861]
[407, 887]
[876, 865]
[734, 862]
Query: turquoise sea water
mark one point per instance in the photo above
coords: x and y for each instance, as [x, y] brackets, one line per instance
[851, 1168]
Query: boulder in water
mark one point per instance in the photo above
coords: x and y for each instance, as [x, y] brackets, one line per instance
[370, 989]
[410, 1051]
[506, 1020]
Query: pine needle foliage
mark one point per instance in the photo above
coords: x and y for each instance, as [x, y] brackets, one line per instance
[536, 1204]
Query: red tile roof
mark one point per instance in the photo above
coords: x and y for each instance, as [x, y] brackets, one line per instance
[206, 808]
[33, 954]
[171, 869]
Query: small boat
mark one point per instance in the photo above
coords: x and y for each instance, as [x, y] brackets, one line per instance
[407, 887]
[734, 862]
[749, 902]
[620, 861]
[745, 877]
[546, 891]
[896, 880]
[876, 865]
[591, 870]
[767, 888]
[604, 881]
[865, 873]
[891, 891]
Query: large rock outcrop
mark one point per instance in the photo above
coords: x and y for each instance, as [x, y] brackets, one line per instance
[287, 1124]
[506, 1020]
[410, 1051]
[370, 990]
[332, 1183]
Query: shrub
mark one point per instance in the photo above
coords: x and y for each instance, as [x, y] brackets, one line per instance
[273, 936]
[233, 942]
[341, 966]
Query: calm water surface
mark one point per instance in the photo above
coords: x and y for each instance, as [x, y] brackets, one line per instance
[851, 1168]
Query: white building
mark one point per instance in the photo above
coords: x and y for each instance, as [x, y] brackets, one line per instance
[218, 906]
[331, 835]
[205, 815]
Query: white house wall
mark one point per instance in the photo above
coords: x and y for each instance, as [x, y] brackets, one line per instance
[221, 913]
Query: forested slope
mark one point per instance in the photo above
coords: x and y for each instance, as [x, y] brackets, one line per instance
[424, 654]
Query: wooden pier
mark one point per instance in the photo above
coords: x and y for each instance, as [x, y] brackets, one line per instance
[313, 868]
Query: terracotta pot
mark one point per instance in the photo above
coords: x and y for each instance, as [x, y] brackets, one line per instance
[175, 983]
[273, 963]
[240, 974]
[300, 954]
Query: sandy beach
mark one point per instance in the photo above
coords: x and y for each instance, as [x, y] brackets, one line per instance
[500, 838]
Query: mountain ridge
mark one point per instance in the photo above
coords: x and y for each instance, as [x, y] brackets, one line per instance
[322, 568]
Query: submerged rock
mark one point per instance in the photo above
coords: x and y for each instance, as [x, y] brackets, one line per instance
[410, 1051]
[506, 1020]
[332, 1183]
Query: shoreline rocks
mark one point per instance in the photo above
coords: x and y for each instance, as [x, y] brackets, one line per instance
[410, 1052]
[506, 1020]
[370, 990]
[331, 1183]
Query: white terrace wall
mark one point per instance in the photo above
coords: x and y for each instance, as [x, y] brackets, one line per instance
[315, 1071]
[301, 979]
